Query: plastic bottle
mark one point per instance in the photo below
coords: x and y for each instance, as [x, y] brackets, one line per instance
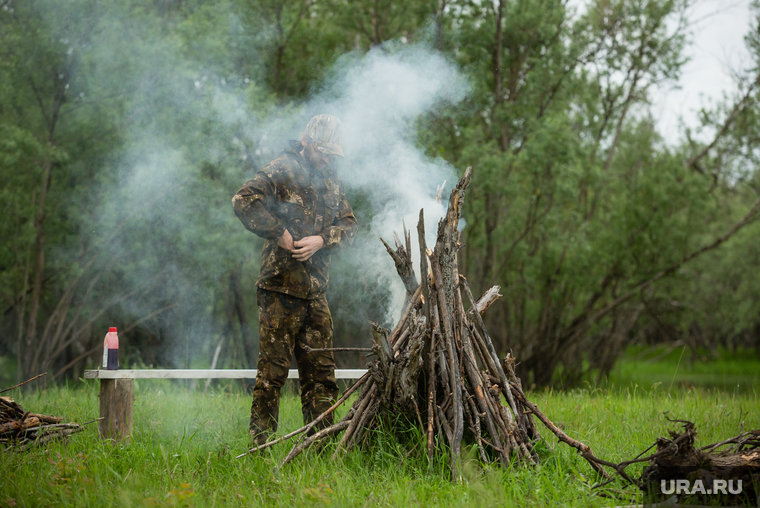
[111, 350]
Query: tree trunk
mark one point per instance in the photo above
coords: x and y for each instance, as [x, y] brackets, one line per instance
[239, 306]
[22, 308]
[39, 265]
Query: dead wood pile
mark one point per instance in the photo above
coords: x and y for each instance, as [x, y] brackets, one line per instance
[439, 367]
[21, 429]
[677, 459]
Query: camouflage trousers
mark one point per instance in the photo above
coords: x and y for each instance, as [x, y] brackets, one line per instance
[286, 324]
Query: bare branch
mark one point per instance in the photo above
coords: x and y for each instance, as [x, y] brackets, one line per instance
[741, 105]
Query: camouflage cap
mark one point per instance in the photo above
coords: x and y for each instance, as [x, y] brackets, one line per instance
[326, 132]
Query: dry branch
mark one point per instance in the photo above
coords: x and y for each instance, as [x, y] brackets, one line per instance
[25, 382]
[582, 448]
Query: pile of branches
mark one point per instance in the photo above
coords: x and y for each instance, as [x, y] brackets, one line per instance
[678, 467]
[439, 367]
[21, 429]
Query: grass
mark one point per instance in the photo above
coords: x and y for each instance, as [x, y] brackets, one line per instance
[185, 442]
[676, 368]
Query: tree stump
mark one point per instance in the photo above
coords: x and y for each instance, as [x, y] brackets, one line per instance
[116, 397]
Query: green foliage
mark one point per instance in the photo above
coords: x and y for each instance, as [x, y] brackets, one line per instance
[576, 200]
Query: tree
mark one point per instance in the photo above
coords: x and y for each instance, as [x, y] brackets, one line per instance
[576, 204]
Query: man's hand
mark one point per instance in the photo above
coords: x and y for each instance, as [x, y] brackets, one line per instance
[307, 246]
[286, 241]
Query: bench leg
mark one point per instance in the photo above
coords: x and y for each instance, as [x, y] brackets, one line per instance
[116, 397]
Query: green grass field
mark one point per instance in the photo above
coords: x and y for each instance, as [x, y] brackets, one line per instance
[673, 368]
[185, 442]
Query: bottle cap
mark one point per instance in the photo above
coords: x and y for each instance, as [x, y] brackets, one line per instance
[112, 329]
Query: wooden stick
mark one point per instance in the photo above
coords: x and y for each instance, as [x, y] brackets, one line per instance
[530, 456]
[494, 413]
[477, 431]
[519, 427]
[443, 366]
[363, 402]
[431, 380]
[426, 311]
[490, 348]
[317, 436]
[400, 342]
[734, 440]
[424, 269]
[311, 425]
[437, 421]
[582, 448]
[516, 447]
[401, 322]
[483, 354]
[25, 382]
[368, 388]
[47, 438]
[454, 379]
[445, 424]
[417, 411]
[446, 402]
[403, 261]
[359, 349]
[527, 417]
[485, 301]
[500, 450]
[445, 256]
[365, 422]
[368, 425]
[477, 385]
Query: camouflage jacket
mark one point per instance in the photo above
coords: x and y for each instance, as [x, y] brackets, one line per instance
[288, 193]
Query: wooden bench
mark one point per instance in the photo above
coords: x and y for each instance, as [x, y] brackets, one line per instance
[117, 391]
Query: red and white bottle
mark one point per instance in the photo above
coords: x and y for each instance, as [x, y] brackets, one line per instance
[111, 350]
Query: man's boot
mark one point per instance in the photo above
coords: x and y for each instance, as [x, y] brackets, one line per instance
[263, 423]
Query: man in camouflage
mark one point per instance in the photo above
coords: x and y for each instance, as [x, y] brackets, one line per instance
[297, 204]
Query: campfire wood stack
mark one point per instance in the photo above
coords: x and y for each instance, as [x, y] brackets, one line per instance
[439, 367]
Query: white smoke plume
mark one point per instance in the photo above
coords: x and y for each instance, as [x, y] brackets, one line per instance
[379, 97]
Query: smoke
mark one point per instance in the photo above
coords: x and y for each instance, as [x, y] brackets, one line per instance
[193, 131]
[380, 96]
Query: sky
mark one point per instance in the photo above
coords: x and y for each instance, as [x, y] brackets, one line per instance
[717, 49]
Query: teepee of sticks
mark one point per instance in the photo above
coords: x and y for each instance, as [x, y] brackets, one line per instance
[439, 366]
